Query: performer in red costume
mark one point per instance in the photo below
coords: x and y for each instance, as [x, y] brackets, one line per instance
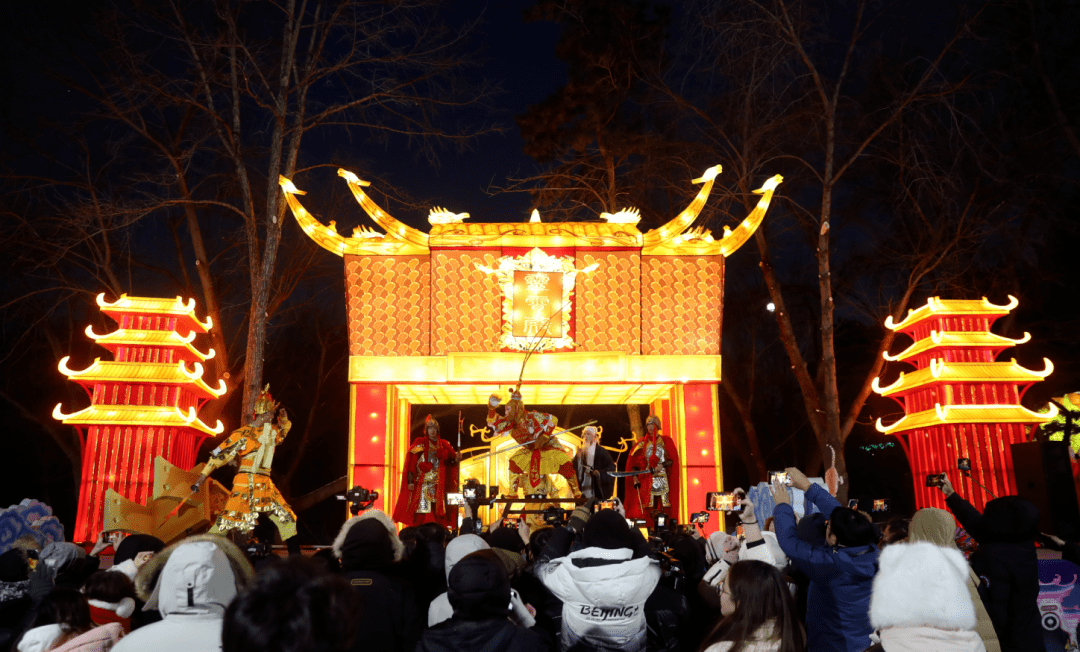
[430, 471]
[658, 486]
[542, 454]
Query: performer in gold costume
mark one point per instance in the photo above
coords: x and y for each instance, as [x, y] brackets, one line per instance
[541, 453]
[656, 457]
[253, 492]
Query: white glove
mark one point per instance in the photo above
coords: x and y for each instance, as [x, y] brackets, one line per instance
[519, 613]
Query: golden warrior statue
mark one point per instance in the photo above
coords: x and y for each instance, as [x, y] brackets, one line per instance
[253, 491]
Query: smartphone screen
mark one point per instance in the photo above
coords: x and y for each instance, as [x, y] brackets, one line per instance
[719, 501]
[605, 504]
[455, 499]
[779, 477]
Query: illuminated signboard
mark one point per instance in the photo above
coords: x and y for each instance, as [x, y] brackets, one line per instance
[538, 299]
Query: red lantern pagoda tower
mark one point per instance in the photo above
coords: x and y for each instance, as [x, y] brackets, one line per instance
[960, 402]
[143, 404]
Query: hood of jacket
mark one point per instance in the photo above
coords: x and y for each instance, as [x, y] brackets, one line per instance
[39, 639]
[62, 557]
[1009, 519]
[919, 639]
[199, 575]
[461, 546]
[602, 577]
[479, 588]
[921, 585]
[381, 517]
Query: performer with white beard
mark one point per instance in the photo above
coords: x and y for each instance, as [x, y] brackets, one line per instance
[592, 464]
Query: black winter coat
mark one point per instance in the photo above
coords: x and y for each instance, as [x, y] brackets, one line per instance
[1007, 559]
[492, 635]
[390, 619]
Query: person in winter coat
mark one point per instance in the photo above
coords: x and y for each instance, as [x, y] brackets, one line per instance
[133, 552]
[479, 590]
[441, 609]
[603, 586]
[389, 615]
[938, 527]
[758, 613]
[63, 624]
[841, 572]
[921, 601]
[191, 583]
[15, 601]
[293, 605]
[1006, 557]
[65, 562]
[722, 550]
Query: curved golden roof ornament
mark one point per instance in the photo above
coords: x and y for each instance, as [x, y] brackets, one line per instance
[329, 239]
[669, 233]
[394, 228]
[673, 238]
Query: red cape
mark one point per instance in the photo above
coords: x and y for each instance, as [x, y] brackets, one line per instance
[409, 501]
[637, 502]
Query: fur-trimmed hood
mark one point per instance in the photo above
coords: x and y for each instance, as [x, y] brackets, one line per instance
[227, 572]
[921, 585]
[381, 517]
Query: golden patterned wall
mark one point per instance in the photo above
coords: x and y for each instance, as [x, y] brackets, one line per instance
[682, 304]
[389, 303]
[607, 308]
[467, 310]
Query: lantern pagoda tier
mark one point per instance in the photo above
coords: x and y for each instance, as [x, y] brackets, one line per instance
[961, 402]
[143, 404]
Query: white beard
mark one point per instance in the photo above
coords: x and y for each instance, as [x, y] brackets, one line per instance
[590, 454]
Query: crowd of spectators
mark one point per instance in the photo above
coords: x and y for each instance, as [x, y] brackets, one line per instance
[831, 581]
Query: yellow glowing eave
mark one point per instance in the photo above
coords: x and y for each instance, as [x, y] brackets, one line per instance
[955, 338]
[137, 415]
[153, 305]
[942, 415]
[134, 337]
[329, 239]
[393, 227]
[965, 372]
[123, 371]
[937, 306]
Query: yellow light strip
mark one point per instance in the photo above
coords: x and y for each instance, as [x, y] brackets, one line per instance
[955, 338]
[941, 415]
[155, 305]
[482, 368]
[136, 415]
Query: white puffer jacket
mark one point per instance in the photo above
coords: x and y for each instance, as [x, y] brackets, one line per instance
[603, 593]
[192, 591]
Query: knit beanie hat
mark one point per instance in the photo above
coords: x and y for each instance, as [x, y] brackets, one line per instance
[133, 544]
[367, 545]
[921, 585]
[478, 587]
[607, 529]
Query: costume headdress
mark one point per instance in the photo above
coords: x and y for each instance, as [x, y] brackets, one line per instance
[655, 420]
[589, 430]
[427, 421]
[264, 403]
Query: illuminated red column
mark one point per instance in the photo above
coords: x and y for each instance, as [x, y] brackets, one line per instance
[372, 419]
[700, 449]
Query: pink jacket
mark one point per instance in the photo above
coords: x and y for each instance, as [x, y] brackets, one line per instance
[98, 639]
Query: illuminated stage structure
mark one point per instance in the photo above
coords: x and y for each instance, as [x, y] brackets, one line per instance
[143, 404]
[960, 402]
[446, 317]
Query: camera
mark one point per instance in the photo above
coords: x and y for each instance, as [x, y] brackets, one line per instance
[664, 523]
[672, 574]
[699, 517]
[935, 479]
[963, 463]
[555, 515]
[779, 477]
[257, 550]
[473, 490]
[360, 499]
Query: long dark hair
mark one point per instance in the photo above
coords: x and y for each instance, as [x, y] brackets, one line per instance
[760, 595]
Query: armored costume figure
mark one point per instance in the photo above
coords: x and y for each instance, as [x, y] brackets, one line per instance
[655, 455]
[540, 454]
[253, 491]
[430, 471]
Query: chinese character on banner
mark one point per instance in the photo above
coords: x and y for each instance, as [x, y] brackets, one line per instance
[537, 304]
